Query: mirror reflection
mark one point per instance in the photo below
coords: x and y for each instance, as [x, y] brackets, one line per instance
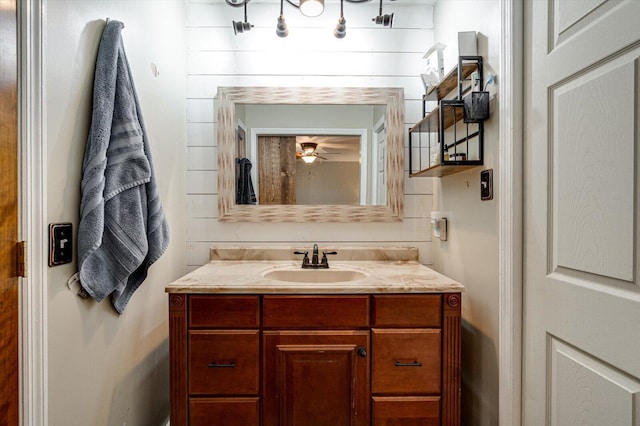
[311, 154]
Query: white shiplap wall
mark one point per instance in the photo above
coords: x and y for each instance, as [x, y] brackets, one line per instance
[369, 56]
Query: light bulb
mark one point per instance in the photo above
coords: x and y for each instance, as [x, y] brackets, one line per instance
[311, 7]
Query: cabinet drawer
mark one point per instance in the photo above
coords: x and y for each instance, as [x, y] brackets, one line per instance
[224, 311]
[224, 411]
[224, 362]
[315, 311]
[406, 411]
[407, 310]
[406, 361]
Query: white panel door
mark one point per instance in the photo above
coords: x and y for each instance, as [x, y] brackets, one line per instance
[582, 174]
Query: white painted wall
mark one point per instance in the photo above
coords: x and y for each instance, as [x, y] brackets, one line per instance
[369, 56]
[471, 253]
[105, 369]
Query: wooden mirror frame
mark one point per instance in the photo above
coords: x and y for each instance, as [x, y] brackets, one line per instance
[229, 211]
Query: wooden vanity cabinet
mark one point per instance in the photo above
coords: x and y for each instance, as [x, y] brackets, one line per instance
[407, 361]
[214, 352]
[315, 360]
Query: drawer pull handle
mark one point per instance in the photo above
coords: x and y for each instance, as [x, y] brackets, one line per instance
[408, 364]
[216, 365]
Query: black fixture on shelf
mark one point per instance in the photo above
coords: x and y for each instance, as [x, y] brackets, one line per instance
[310, 8]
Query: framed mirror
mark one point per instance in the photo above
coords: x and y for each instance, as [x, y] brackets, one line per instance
[236, 142]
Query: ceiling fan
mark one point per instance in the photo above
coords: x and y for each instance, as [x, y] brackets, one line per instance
[308, 154]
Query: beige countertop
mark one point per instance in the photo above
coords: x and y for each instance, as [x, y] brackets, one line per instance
[381, 276]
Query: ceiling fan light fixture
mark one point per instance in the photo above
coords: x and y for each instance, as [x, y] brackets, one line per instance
[308, 158]
[311, 8]
[308, 147]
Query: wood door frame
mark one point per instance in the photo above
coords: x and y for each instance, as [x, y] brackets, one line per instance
[33, 216]
[32, 219]
[10, 282]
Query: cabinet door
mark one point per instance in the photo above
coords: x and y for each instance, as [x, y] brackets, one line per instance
[316, 378]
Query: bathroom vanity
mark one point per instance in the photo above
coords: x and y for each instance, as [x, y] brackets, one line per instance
[382, 348]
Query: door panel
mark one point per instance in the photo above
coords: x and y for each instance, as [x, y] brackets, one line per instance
[593, 170]
[277, 170]
[581, 293]
[8, 216]
[316, 378]
[585, 390]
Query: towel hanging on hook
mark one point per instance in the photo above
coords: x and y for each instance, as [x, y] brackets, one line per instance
[107, 21]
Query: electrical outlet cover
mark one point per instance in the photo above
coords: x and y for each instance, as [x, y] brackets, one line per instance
[486, 184]
[60, 243]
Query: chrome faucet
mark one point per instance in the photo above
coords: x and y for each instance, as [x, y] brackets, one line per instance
[314, 263]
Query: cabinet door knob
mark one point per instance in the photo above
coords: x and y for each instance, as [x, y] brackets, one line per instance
[222, 365]
[408, 364]
[362, 352]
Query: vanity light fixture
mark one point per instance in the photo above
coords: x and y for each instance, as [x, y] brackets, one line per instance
[240, 27]
[311, 8]
[281, 28]
[386, 20]
[341, 26]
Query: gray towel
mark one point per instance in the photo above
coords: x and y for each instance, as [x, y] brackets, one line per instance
[122, 227]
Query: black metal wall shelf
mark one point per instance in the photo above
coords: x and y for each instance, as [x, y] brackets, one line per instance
[463, 152]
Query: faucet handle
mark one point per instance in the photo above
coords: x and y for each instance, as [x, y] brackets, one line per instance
[324, 260]
[305, 259]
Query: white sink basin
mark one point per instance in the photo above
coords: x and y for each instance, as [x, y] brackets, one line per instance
[315, 275]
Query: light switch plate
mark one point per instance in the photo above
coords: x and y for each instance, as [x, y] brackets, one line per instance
[486, 184]
[60, 243]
